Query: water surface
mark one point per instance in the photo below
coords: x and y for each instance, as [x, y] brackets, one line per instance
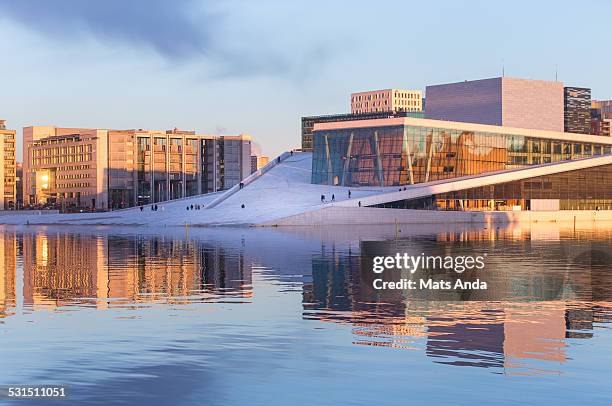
[272, 316]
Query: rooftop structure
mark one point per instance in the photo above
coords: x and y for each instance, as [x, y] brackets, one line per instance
[502, 101]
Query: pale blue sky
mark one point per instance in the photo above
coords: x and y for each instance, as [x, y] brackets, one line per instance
[256, 67]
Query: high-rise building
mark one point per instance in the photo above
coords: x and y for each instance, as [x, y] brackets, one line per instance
[8, 190]
[100, 169]
[258, 162]
[577, 110]
[389, 100]
[502, 101]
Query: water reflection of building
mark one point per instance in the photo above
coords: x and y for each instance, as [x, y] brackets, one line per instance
[8, 255]
[554, 291]
[62, 268]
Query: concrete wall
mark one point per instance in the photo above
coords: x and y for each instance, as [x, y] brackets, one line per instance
[370, 216]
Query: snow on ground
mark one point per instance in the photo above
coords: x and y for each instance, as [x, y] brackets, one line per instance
[283, 191]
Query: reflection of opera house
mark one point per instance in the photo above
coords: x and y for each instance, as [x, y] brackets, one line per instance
[520, 325]
[464, 166]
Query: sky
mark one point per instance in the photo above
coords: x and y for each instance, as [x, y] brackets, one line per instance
[230, 67]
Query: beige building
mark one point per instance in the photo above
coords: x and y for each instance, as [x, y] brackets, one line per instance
[7, 167]
[258, 162]
[392, 100]
[80, 168]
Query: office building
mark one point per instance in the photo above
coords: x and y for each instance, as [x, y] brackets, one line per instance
[389, 100]
[404, 151]
[604, 107]
[577, 110]
[100, 169]
[8, 196]
[502, 101]
[309, 122]
[258, 162]
[601, 117]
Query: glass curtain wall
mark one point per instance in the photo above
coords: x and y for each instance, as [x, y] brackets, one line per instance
[401, 155]
[585, 189]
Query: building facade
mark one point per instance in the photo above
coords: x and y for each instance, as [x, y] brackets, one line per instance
[389, 100]
[577, 110]
[585, 189]
[404, 151]
[8, 167]
[604, 107]
[258, 162]
[601, 117]
[19, 185]
[101, 169]
[502, 101]
[309, 122]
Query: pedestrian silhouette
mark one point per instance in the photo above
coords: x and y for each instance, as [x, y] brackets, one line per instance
[349, 194]
[360, 203]
[333, 198]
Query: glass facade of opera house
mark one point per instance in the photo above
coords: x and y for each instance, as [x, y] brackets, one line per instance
[406, 154]
[584, 189]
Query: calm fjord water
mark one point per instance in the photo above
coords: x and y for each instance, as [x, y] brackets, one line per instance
[274, 316]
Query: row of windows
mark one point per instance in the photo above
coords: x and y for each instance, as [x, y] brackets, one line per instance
[75, 149]
[62, 159]
[74, 176]
[72, 185]
[383, 95]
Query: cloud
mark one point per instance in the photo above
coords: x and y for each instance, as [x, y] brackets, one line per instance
[180, 31]
[165, 26]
